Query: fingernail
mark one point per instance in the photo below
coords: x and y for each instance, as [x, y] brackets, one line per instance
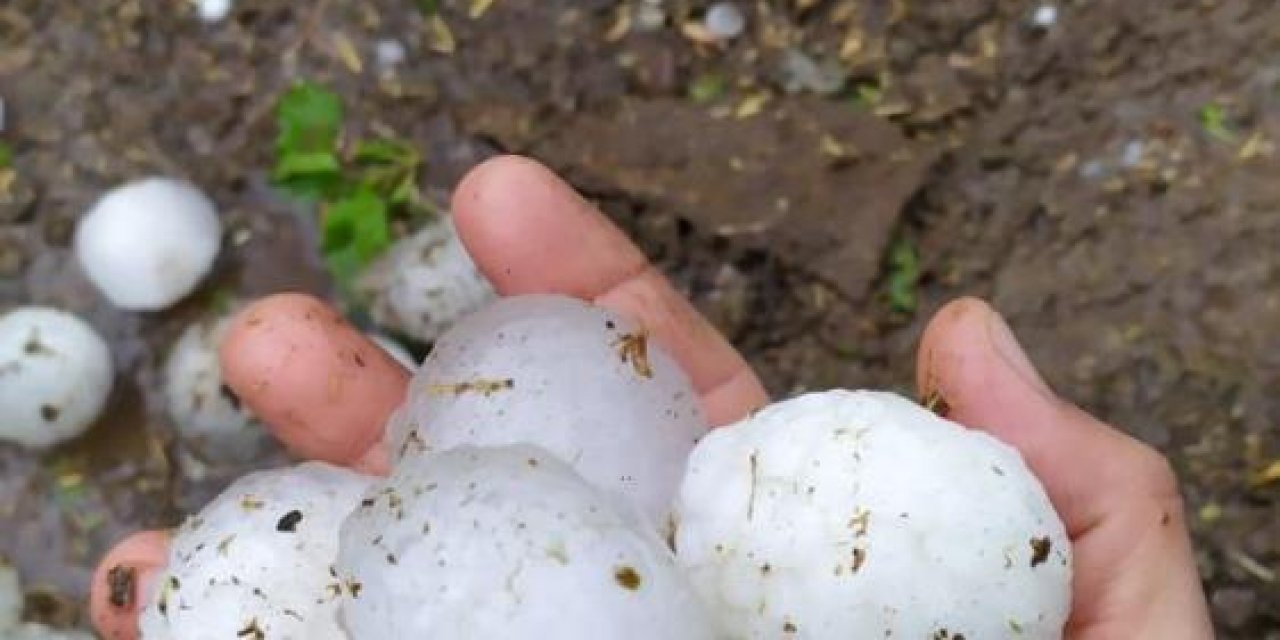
[1006, 344]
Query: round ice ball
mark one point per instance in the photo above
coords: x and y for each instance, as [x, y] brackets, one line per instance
[257, 561]
[507, 542]
[576, 379]
[147, 244]
[863, 515]
[425, 283]
[55, 376]
[205, 412]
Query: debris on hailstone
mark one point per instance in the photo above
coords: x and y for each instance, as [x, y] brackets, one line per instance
[507, 542]
[149, 243]
[576, 379]
[863, 515]
[257, 562]
[55, 376]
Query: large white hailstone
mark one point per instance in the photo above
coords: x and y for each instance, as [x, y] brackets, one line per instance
[425, 283]
[507, 542]
[205, 412]
[147, 244]
[257, 562]
[55, 376]
[576, 379]
[863, 515]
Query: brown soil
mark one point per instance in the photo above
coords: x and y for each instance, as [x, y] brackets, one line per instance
[1067, 173]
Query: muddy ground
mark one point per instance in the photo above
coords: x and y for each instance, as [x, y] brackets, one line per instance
[1108, 180]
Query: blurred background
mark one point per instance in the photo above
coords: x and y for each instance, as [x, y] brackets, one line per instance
[817, 175]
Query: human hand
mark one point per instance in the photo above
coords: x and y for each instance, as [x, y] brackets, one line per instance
[530, 233]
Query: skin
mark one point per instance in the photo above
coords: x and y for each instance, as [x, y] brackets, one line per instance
[294, 362]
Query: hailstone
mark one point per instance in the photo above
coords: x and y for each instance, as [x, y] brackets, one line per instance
[205, 412]
[257, 561]
[863, 515]
[425, 283]
[55, 376]
[507, 542]
[147, 244]
[576, 379]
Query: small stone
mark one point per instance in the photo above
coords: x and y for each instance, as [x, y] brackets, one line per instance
[1045, 16]
[650, 16]
[389, 53]
[213, 10]
[725, 21]
[1233, 606]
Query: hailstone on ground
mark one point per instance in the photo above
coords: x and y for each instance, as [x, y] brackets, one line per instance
[576, 379]
[55, 376]
[863, 515]
[11, 625]
[507, 542]
[257, 562]
[425, 283]
[208, 415]
[147, 244]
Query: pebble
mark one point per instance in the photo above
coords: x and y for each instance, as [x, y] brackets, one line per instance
[389, 52]
[213, 10]
[725, 21]
[650, 16]
[1233, 606]
[1045, 16]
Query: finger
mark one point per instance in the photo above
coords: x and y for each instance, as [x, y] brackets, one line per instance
[322, 387]
[123, 581]
[531, 233]
[1117, 496]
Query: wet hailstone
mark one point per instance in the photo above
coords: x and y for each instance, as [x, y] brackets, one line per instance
[55, 376]
[863, 515]
[576, 379]
[257, 562]
[424, 284]
[207, 415]
[147, 244]
[507, 542]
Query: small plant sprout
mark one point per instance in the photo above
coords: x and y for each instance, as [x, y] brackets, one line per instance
[148, 244]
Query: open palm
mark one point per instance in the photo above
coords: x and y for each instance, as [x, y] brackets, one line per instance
[530, 233]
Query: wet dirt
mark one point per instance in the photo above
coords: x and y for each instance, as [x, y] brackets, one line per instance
[1107, 180]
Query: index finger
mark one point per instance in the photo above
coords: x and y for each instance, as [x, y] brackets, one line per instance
[531, 233]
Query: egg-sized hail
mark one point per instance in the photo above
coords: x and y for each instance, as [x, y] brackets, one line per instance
[863, 515]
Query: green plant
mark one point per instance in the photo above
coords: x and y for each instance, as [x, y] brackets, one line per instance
[1215, 121]
[361, 187]
[904, 276]
[6, 156]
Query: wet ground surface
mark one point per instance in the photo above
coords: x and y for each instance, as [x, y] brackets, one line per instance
[1109, 180]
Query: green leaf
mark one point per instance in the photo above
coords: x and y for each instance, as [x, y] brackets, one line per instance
[385, 151]
[356, 230]
[866, 95]
[707, 88]
[904, 276]
[309, 117]
[6, 156]
[307, 163]
[429, 7]
[1213, 117]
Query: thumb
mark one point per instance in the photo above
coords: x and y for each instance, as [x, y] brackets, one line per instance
[1118, 497]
